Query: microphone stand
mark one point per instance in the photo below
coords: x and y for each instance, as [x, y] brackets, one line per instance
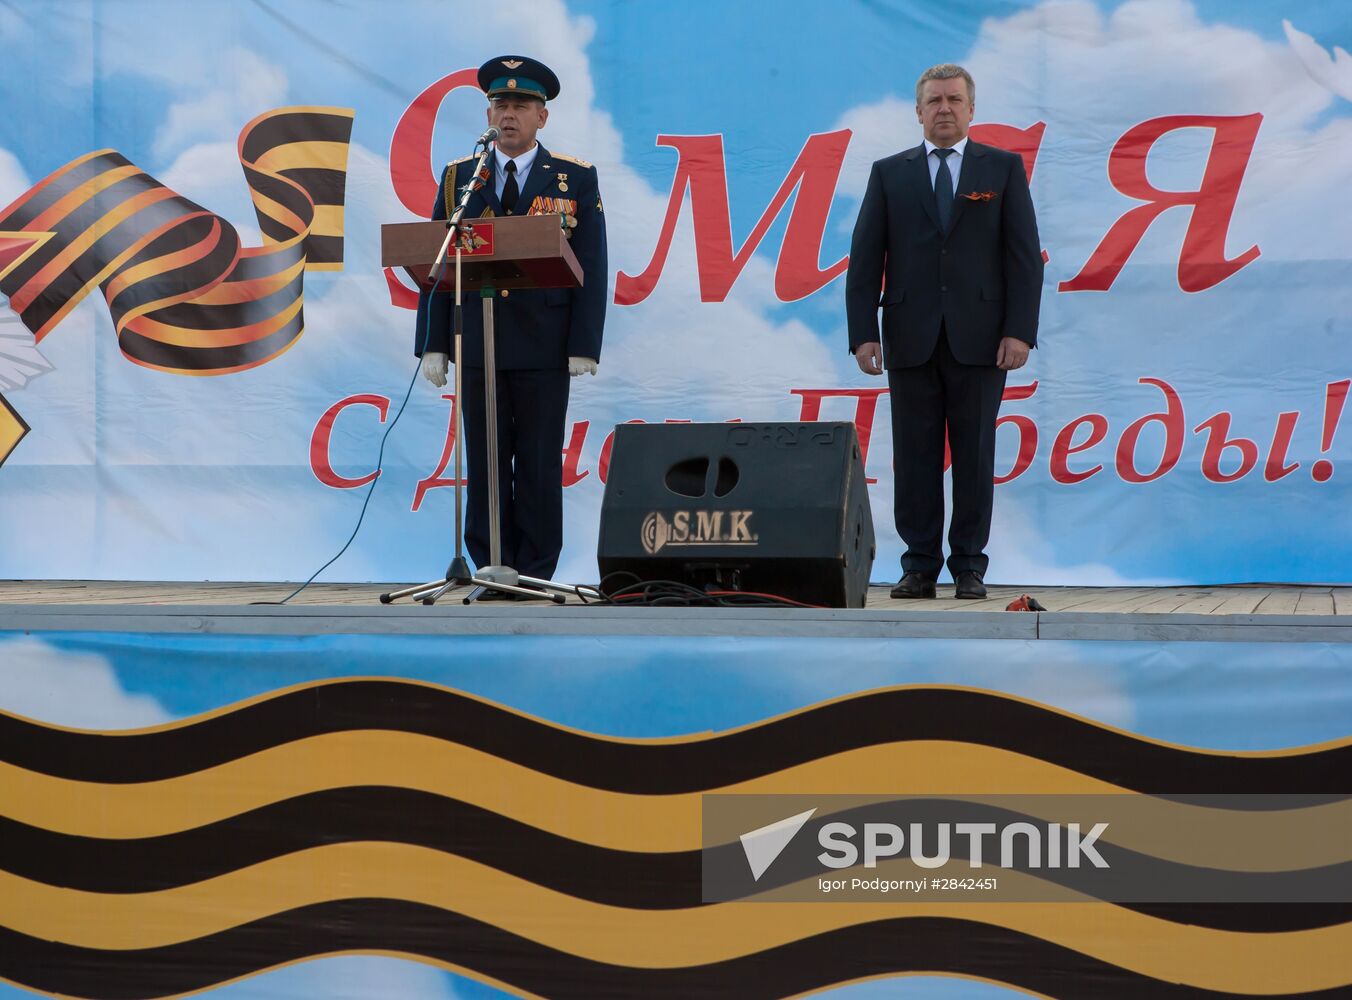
[495, 577]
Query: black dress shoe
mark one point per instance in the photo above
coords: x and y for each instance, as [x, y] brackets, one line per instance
[913, 585]
[969, 586]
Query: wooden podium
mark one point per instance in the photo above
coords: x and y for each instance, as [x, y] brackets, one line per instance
[527, 251]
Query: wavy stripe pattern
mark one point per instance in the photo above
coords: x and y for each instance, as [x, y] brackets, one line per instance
[633, 878]
[400, 817]
[881, 947]
[672, 766]
[184, 295]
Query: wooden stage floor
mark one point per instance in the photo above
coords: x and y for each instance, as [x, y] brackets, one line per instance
[1238, 613]
[1244, 599]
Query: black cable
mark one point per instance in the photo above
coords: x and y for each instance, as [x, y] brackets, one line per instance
[674, 594]
[380, 456]
[641, 593]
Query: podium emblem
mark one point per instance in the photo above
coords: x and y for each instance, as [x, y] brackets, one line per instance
[476, 239]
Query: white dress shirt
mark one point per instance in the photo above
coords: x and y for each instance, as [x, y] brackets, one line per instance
[954, 161]
[523, 165]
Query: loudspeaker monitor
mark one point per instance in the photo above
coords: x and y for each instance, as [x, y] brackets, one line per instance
[777, 508]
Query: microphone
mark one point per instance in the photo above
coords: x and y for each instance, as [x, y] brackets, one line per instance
[489, 135]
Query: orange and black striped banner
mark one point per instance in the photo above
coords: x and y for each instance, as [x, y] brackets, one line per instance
[403, 818]
[12, 429]
[184, 295]
[15, 248]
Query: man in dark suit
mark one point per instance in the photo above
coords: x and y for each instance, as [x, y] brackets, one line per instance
[946, 243]
[541, 337]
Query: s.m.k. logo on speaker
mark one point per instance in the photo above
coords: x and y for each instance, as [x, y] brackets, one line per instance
[687, 528]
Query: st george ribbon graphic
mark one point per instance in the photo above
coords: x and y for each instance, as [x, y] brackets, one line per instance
[185, 296]
[400, 817]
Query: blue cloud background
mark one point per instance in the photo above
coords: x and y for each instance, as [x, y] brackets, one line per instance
[131, 473]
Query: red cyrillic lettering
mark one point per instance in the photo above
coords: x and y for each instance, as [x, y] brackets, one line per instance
[603, 463]
[435, 481]
[572, 455]
[865, 409]
[1023, 141]
[1172, 421]
[1062, 448]
[320, 461]
[415, 182]
[1217, 441]
[1202, 262]
[1027, 431]
[401, 296]
[1276, 468]
[702, 168]
[1027, 445]
[411, 172]
[1335, 395]
[1011, 138]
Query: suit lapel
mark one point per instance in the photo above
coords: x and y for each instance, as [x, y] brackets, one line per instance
[919, 179]
[969, 179]
[541, 175]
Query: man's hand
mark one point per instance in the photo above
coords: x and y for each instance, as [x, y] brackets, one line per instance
[869, 358]
[434, 368]
[1013, 353]
[581, 366]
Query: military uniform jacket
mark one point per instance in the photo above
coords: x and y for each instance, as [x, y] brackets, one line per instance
[533, 328]
[982, 279]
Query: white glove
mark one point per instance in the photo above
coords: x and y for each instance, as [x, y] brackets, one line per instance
[581, 366]
[434, 367]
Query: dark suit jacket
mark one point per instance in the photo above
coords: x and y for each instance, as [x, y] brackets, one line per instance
[532, 328]
[983, 279]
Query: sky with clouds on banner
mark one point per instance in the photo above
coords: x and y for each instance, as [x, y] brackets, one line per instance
[134, 473]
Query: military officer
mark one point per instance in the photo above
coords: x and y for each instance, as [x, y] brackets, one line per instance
[542, 337]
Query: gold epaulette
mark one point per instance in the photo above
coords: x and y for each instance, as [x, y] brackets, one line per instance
[450, 188]
[570, 159]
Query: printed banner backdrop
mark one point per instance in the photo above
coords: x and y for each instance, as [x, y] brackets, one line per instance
[201, 352]
[182, 812]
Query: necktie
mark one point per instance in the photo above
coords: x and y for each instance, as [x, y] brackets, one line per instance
[510, 191]
[943, 188]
